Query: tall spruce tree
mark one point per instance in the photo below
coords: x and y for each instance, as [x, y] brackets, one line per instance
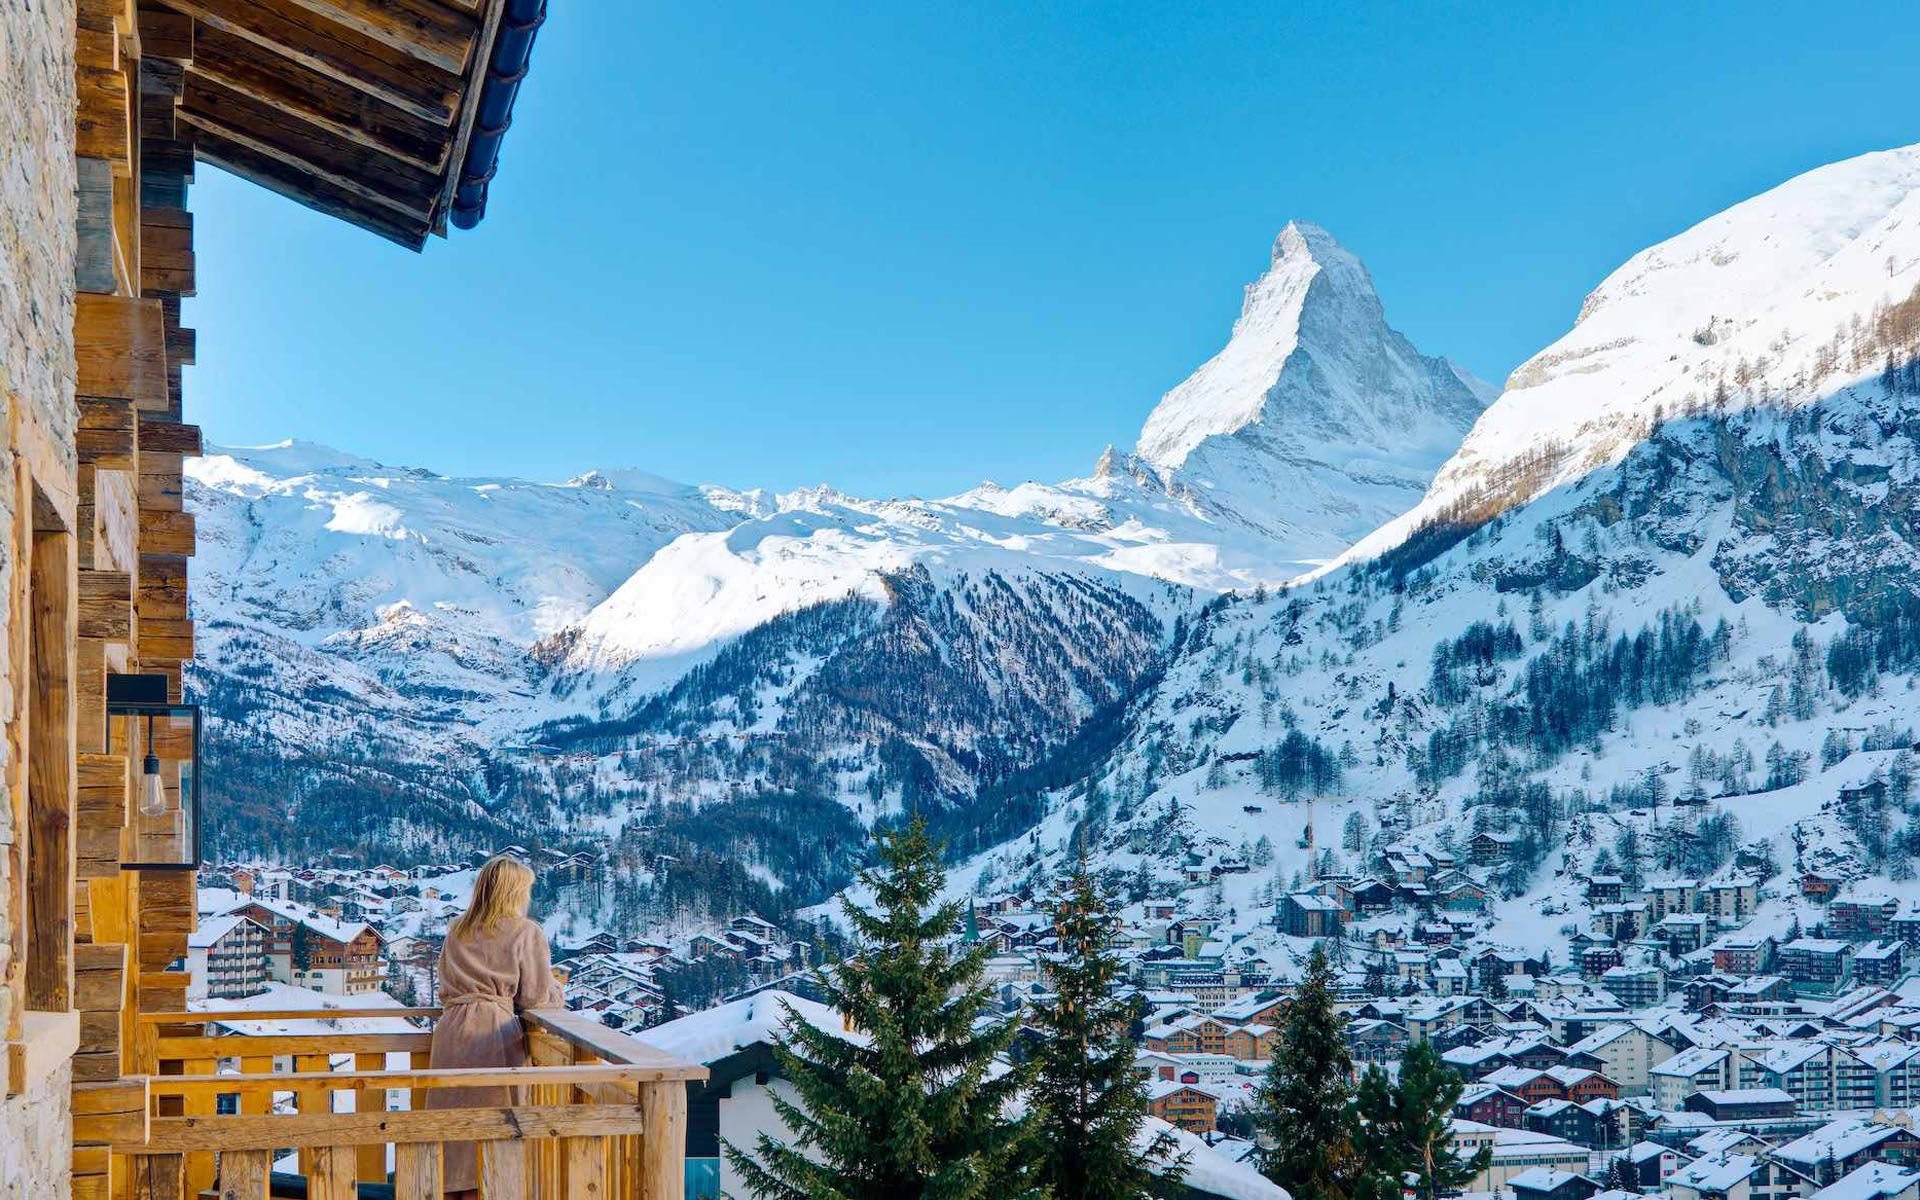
[916, 1109]
[1406, 1130]
[1091, 1098]
[1381, 1164]
[1303, 1110]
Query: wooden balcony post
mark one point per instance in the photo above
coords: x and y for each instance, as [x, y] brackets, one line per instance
[156, 1177]
[332, 1177]
[503, 1170]
[244, 1174]
[586, 1167]
[663, 1140]
[416, 1171]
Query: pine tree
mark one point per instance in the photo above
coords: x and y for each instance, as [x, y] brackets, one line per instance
[917, 1107]
[1304, 1107]
[1091, 1098]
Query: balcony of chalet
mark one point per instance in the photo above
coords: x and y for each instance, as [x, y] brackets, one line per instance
[216, 1107]
[388, 115]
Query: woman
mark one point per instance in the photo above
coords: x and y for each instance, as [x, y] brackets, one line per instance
[494, 966]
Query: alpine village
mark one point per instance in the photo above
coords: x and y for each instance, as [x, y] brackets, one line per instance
[1375, 784]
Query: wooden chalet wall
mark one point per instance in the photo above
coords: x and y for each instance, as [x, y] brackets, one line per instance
[134, 263]
[362, 109]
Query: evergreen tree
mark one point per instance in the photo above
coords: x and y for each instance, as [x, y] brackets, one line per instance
[1304, 1106]
[1619, 1176]
[1382, 1162]
[1408, 1130]
[1091, 1099]
[914, 1108]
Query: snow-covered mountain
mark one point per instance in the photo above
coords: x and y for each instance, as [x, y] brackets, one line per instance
[1755, 305]
[1317, 422]
[1661, 613]
[1663, 602]
[498, 652]
[1314, 425]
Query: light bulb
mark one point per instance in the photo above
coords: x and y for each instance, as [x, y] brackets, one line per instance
[153, 796]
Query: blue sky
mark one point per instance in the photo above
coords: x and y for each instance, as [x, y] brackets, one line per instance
[904, 247]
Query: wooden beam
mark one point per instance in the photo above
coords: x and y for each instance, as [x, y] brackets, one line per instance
[161, 482]
[182, 345]
[430, 32]
[103, 125]
[381, 1081]
[116, 522]
[334, 50]
[347, 113]
[160, 436]
[308, 148]
[166, 534]
[50, 775]
[113, 1112]
[320, 1129]
[166, 35]
[100, 817]
[106, 605]
[99, 977]
[163, 589]
[156, 1176]
[93, 265]
[317, 194]
[108, 433]
[119, 349]
[495, 11]
[166, 252]
[166, 639]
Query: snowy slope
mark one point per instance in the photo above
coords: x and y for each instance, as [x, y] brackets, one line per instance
[447, 580]
[1743, 308]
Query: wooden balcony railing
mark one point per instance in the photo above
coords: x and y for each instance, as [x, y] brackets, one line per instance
[598, 1114]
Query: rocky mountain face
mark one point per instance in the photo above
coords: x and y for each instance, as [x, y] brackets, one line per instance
[1317, 422]
[409, 664]
[1658, 615]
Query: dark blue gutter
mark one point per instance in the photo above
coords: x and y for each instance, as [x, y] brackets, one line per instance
[512, 54]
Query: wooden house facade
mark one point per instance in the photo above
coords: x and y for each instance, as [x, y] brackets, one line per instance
[389, 115]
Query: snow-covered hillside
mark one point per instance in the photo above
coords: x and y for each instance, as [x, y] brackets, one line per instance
[1760, 304]
[1675, 645]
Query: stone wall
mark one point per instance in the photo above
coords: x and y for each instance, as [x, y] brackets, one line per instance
[37, 245]
[36, 1139]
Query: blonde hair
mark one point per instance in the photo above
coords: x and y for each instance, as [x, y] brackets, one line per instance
[500, 893]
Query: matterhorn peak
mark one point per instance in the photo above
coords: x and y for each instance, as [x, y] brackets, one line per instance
[1315, 408]
[1305, 240]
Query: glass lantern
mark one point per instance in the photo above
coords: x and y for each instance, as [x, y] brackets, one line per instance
[162, 741]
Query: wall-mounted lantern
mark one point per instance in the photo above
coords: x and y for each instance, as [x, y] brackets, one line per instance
[162, 739]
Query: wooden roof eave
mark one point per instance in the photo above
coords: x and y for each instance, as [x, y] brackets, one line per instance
[347, 106]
